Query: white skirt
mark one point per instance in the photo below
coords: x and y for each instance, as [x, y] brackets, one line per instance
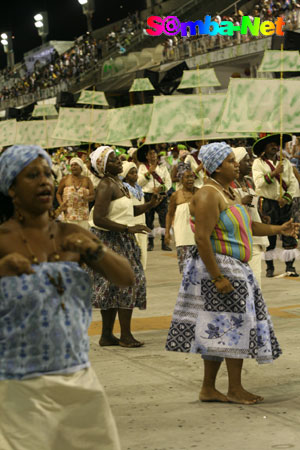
[56, 412]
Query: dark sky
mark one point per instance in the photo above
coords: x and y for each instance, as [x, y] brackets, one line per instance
[66, 20]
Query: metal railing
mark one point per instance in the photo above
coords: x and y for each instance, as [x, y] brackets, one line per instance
[198, 45]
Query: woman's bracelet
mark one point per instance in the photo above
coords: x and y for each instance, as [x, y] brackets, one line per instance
[218, 278]
[96, 255]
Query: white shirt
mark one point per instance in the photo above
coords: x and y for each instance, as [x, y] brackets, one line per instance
[272, 191]
[199, 175]
[149, 185]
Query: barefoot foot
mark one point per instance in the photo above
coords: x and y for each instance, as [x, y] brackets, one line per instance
[244, 397]
[212, 395]
[107, 341]
[130, 342]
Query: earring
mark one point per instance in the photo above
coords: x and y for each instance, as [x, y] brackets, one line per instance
[20, 218]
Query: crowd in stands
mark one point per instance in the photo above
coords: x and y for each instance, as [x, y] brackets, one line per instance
[87, 51]
[176, 47]
[68, 66]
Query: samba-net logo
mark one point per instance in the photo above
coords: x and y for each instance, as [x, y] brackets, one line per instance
[171, 26]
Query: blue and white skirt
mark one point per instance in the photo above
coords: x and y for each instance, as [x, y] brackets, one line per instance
[234, 325]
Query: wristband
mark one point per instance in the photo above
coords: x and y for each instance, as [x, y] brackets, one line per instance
[218, 278]
[287, 197]
[268, 178]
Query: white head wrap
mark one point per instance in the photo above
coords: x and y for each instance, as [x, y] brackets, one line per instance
[126, 167]
[99, 158]
[239, 153]
[131, 151]
[77, 161]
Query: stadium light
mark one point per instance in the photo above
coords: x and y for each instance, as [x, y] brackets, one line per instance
[38, 17]
[6, 41]
[41, 23]
[88, 9]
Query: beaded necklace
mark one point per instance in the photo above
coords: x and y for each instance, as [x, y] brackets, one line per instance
[229, 192]
[54, 257]
[120, 185]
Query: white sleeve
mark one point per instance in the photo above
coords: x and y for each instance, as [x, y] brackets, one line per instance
[142, 180]
[167, 179]
[293, 187]
[258, 173]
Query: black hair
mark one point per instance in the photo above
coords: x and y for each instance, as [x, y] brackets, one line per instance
[6, 208]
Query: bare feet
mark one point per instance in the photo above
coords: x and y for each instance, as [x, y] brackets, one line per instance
[107, 341]
[212, 395]
[130, 342]
[240, 395]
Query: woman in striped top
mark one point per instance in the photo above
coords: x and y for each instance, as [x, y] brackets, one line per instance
[220, 312]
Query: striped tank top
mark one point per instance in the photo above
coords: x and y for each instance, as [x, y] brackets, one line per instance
[232, 234]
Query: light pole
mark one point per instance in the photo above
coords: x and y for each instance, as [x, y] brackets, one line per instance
[88, 9]
[6, 41]
[41, 23]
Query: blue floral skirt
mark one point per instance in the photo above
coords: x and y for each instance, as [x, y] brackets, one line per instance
[234, 325]
[183, 253]
[107, 295]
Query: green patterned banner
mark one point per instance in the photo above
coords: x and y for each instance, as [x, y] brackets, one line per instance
[130, 122]
[86, 125]
[92, 98]
[198, 78]
[120, 143]
[8, 130]
[277, 61]
[40, 132]
[44, 110]
[257, 105]
[187, 117]
[141, 84]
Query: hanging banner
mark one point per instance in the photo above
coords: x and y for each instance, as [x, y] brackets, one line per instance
[198, 78]
[255, 105]
[280, 61]
[187, 117]
[40, 132]
[44, 110]
[130, 122]
[86, 125]
[92, 98]
[8, 130]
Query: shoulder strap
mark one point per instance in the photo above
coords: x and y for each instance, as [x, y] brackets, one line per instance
[216, 189]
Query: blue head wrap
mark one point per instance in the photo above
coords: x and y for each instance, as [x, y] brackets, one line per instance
[212, 155]
[181, 168]
[14, 159]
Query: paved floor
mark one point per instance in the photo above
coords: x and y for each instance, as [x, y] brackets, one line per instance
[154, 393]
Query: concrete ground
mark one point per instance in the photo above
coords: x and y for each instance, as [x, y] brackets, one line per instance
[154, 393]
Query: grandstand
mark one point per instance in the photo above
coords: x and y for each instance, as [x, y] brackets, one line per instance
[112, 57]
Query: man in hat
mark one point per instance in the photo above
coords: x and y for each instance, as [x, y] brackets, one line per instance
[153, 178]
[275, 202]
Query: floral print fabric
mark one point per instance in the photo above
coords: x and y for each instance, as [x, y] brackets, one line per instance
[37, 335]
[77, 207]
[183, 253]
[107, 295]
[235, 325]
